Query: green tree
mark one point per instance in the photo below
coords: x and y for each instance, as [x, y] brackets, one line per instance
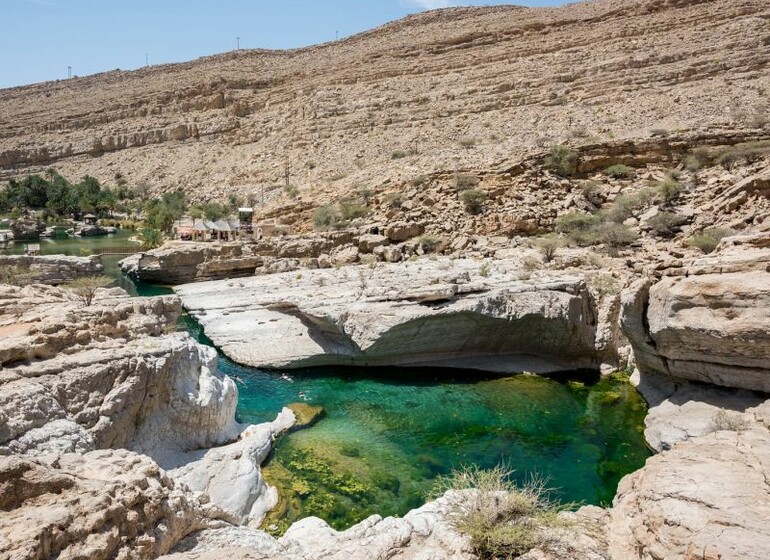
[151, 238]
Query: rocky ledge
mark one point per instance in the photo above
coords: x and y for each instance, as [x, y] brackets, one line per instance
[54, 269]
[429, 312]
[713, 323]
[83, 390]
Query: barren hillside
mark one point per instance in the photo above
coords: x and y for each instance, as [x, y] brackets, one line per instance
[468, 88]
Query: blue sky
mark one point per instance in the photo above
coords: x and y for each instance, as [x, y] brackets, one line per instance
[41, 38]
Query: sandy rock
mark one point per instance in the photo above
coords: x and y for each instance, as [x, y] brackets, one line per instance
[99, 505]
[421, 312]
[55, 269]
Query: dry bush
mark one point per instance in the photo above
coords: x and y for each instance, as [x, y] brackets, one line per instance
[85, 288]
[733, 422]
[502, 519]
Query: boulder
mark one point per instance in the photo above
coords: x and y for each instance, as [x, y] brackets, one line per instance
[401, 231]
[369, 242]
[710, 325]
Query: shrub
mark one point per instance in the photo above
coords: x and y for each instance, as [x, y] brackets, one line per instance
[351, 210]
[724, 420]
[291, 191]
[626, 204]
[465, 181]
[19, 275]
[327, 217]
[501, 518]
[666, 224]
[484, 270]
[669, 190]
[417, 181]
[708, 239]
[576, 221]
[429, 242]
[393, 200]
[748, 152]
[398, 154]
[473, 199]
[659, 132]
[85, 288]
[614, 235]
[561, 160]
[468, 142]
[700, 157]
[619, 171]
[151, 238]
[549, 244]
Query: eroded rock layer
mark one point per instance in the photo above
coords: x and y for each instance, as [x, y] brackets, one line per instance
[428, 312]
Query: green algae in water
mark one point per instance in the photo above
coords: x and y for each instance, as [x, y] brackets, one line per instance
[388, 433]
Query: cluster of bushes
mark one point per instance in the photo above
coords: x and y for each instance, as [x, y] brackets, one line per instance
[562, 161]
[727, 157]
[338, 216]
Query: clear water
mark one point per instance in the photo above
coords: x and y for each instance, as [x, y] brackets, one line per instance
[388, 433]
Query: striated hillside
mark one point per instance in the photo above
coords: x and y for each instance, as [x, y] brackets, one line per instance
[468, 88]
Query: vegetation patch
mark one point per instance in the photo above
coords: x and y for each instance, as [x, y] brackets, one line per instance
[666, 224]
[562, 161]
[619, 171]
[708, 239]
[502, 519]
[473, 200]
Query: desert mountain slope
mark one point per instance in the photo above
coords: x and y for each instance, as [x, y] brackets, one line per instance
[464, 87]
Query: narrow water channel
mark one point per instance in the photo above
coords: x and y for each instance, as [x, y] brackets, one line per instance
[386, 434]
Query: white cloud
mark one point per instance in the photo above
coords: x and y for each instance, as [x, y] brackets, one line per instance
[429, 4]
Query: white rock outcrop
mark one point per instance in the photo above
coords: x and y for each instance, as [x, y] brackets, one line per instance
[711, 325]
[427, 312]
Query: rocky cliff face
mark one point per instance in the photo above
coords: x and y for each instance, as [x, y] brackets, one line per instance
[481, 85]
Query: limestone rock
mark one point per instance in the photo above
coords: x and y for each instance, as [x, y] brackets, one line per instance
[99, 505]
[421, 312]
[369, 242]
[704, 498]
[401, 231]
[712, 325]
[230, 475]
[55, 269]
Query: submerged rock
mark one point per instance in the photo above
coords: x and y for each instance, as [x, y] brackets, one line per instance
[307, 414]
